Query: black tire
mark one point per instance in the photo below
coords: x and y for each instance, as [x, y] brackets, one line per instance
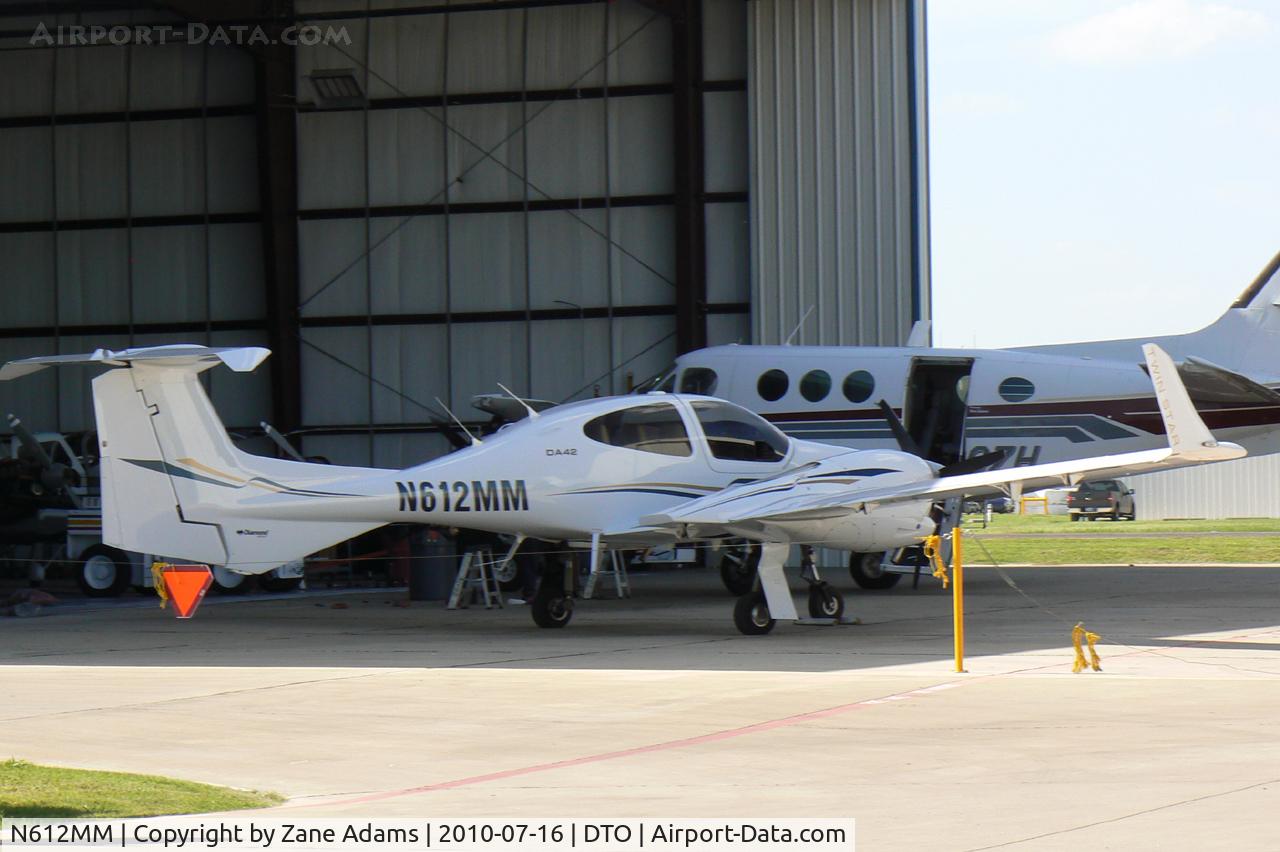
[825, 602]
[278, 585]
[738, 565]
[1075, 518]
[867, 573]
[751, 615]
[103, 572]
[551, 609]
[229, 582]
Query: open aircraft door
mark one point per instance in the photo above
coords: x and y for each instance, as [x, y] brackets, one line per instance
[935, 405]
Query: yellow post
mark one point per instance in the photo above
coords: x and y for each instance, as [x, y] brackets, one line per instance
[957, 597]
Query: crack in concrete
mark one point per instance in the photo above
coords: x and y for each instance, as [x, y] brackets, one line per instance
[1190, 801]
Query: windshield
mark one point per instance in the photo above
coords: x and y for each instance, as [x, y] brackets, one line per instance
[664, 381]
[699, 380]
[736, 434]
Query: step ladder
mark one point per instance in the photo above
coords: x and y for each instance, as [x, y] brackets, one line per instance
[614, 565]
[476, 578]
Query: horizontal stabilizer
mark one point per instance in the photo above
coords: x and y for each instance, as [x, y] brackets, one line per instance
[1207, 382]
[242, 359]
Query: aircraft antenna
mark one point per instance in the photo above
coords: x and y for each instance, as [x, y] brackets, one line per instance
[280, 441]
[799, 325]
[533, 415]
[474, 440]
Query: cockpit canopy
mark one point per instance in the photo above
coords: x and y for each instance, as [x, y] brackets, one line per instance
[653, 428]
[732, 433]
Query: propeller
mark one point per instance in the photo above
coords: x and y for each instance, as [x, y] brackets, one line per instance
[451, 433]
[54, 477]
[975, 464]
[900, 434]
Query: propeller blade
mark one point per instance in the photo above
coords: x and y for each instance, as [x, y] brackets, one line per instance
[905, 442]
[975, 464]
[451, 433]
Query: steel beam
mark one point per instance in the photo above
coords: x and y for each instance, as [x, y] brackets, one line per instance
[687, 147]
[278, 190]
[275, 112]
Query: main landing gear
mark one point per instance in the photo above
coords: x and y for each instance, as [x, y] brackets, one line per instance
[757, 611]
[553, 604]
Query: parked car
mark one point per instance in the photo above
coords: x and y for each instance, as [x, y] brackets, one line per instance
[1102, 498]
[999, 505]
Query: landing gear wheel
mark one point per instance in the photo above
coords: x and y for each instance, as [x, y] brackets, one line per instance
[279, 584]
[751, 615]
[507, 574]
[866, 570]
[825, 602]
[738, 564]
[551, 609]
[229, 582]
[104, 572]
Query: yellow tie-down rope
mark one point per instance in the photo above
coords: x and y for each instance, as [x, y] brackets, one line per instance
[1095, 662]
[157, 582]
[933, 552]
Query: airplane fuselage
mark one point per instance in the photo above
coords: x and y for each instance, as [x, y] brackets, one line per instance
[549, 478]
[961, 402]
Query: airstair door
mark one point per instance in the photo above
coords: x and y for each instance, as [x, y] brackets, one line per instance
[935, 405]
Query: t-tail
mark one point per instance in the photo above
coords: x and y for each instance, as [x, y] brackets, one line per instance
[213, 503]
[1244, 340]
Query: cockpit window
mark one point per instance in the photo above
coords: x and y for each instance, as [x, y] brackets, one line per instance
[655, 428]
[664, 381]
[700, 380]
[736, 434]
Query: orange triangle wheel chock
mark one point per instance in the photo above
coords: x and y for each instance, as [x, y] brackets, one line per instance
[186, 586]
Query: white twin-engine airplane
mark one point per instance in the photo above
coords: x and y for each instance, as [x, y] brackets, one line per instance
[631, 471]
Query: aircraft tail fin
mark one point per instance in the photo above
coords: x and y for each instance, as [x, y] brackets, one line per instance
[174, 485]
[1263, 291]
[1245, 339]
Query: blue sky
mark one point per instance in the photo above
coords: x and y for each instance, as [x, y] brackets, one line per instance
[1099, 169]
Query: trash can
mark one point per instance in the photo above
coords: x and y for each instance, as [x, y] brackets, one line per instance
[433, 565]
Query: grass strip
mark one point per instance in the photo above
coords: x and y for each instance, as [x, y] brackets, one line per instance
[50, 792]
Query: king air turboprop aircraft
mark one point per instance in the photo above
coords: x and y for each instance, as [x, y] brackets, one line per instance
[632, 471]
[1038, 404]
[1030, 406]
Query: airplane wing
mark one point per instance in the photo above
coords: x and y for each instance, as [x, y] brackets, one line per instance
[1190, 443]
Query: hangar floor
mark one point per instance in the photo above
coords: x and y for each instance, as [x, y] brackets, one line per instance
[656, 707]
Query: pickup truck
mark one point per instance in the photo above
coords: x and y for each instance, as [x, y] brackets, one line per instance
[1102, 498]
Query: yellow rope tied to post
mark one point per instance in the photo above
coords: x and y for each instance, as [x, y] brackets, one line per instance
[1078, 633]
[157, 582]
[933, 552]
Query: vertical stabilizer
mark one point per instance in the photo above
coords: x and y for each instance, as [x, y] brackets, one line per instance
[174, 485]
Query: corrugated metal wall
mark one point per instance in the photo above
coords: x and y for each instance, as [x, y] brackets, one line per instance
[502, 212]
[128, 210]
[838, 177]
[1246, 488]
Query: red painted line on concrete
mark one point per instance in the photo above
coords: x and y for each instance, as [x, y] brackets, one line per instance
[715, 736]
[702, 739]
